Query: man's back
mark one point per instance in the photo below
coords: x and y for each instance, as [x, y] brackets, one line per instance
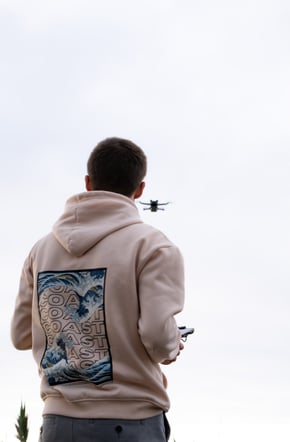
[96, 272]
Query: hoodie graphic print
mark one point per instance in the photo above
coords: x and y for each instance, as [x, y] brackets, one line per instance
[71, 307]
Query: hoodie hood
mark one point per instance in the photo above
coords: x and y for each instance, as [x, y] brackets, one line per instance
[91, 216]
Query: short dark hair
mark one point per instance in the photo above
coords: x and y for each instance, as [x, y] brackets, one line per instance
[117, 165]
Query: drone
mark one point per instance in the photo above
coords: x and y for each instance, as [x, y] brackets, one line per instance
[154, 205]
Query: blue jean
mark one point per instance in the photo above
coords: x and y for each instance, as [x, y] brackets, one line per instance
[66, 429]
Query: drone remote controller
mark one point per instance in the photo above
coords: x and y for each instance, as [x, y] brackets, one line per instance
[185, 331]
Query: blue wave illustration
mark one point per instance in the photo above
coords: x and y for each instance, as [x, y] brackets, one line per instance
[71, 307]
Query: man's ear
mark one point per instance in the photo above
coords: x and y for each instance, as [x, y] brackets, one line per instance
[139, 190]
[88, 183]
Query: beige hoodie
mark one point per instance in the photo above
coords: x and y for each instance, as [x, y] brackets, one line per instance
[96, 304]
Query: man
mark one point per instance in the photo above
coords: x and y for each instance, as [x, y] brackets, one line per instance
[96, 304]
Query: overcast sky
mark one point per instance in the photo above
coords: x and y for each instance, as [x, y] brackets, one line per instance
[203, 87]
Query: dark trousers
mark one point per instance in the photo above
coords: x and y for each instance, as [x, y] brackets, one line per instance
[65, 429]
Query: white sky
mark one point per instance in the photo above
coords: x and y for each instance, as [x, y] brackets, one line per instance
[203, 87]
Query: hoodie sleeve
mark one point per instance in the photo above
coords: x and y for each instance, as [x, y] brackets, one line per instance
[161, 297]
[21, 323]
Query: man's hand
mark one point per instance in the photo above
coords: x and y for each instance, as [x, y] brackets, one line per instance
[168, 361]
